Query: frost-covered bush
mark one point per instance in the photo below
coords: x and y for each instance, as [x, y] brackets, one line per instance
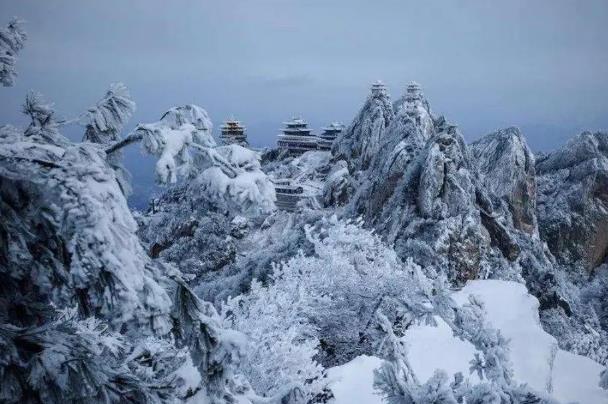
[267, 240]
[357, 274]
[12, 39]
[398, 383]
[323, 305]
[282, 343]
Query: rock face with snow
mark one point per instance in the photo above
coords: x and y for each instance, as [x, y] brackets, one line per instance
[425, 193]
[432, 215]
[486, 210]
[409, 130]
[506, 166]
[573, 200]
[359, 143]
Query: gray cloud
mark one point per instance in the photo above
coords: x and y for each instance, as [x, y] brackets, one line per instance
[541, 65]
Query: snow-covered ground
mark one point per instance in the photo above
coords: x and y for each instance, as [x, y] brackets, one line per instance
[536, 358]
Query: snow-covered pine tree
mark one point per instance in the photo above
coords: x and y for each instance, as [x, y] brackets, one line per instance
[493, 365]
[105, 121]
[67, 240]
[436, 390]
[184, 146]
[12, 39]
[397, 382]
[43, 123]
[395, 379]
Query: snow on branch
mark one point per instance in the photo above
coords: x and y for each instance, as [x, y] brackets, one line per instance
[171, 148]
[193, 115]
[43, 123]
[183, 143]
[105, 121]
[107, 118]
[12, 39]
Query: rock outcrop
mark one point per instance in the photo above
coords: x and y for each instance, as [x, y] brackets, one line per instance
[433, 215]
[408, 132]
[360, 142]
[424, 194]
[573, 201]
[506, 167]
[486, 210]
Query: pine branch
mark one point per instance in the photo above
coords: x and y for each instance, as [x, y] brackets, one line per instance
[131, 138]
[217, 159]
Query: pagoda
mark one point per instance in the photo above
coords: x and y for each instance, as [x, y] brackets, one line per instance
[233, 133]
[296, 137]
[378, 88]
[413, 92]
[330, 133]
[413, 101]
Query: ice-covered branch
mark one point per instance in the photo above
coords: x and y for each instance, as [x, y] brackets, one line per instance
[106, 119]
[130, 139]
[43, 122]
[182, 141]
[12, 39]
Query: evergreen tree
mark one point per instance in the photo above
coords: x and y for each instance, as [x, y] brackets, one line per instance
[12, 39]
[43, 123]
[68, 240]
[105, 121]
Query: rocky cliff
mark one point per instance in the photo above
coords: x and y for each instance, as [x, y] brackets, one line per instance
[573, 200]
[490, 209]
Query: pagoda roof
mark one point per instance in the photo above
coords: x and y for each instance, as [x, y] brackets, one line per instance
[232, 124]
[334, 126]
[296, 121]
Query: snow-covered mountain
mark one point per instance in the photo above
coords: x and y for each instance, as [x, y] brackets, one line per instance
[457, 212]
[417, 269]
[489, 210]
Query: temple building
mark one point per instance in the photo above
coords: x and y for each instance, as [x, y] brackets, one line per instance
[413, 92]
[233, 133]
[378, 89]
[330, 133]
[296, 137]
[288, 194]
[413, 99]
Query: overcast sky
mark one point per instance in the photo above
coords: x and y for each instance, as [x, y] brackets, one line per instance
[539, 65]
